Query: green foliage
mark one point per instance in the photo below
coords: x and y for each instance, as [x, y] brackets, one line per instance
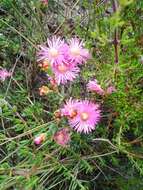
[111, 156]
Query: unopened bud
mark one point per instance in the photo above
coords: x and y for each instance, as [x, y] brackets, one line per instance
[40, 139]
[44, 90]
[57, 114]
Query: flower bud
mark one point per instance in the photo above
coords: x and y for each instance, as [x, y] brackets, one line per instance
[44, 90]
[39, 139]
[62, 137]
[57, 114]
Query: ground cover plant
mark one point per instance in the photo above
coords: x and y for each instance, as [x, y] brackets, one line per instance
[71, 95]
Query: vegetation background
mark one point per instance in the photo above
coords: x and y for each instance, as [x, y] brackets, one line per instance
[112, 156]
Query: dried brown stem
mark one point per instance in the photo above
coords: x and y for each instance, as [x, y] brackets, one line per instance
[116, 40]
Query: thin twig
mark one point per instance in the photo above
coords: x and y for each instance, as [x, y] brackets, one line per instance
[116, 40]
[100, 169]
[13, 69]
[24, 134]
[105, 140]
[16, 31]
[99, 155]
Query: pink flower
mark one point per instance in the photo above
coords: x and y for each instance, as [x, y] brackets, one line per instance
[70, 108]
[4, 74]
[65, 72]
[83, 116]
[76, 52]
[54, 52]
[45, 2]
[39, 139]
[110, 90]
[88, 116]
[62, 137]
[93, 86]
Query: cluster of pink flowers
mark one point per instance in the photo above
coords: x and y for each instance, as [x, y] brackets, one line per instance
[93, 86]
[63, 58]
[83, 115]
[4, 74]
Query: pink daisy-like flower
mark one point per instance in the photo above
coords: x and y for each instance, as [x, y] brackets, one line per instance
[111, 89]
[87, 117]
[62, 137]
[93, 86]
[54, 52]
[65, 72]
[70, 108]
[76, 51]
[4, 74]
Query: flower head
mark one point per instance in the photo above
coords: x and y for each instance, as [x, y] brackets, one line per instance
[65, 72]
[110, 90]
[39, 139]
[54, 52]
[70, 108]
[83, 116]
[4, 74]
[76, 51]
[88, 116]
[93, 86]
[62, 137]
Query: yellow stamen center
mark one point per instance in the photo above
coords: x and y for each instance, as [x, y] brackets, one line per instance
[75, 51]
[84, 116]
[62, 68]
[54, 52]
